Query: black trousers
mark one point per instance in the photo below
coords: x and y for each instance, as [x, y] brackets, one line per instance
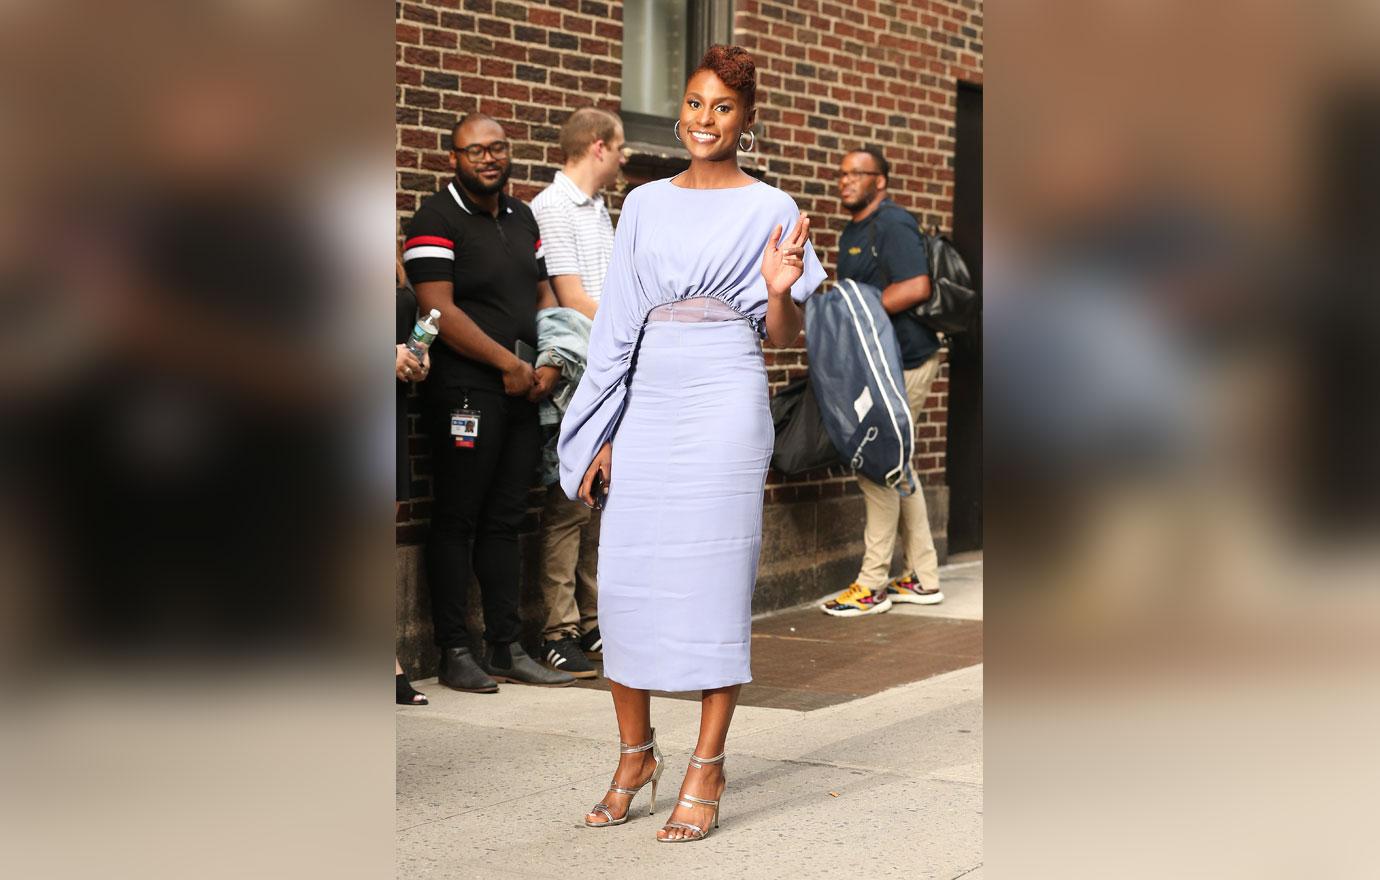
[480, 502]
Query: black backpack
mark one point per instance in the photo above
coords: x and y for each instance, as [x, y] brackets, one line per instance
[953, 305]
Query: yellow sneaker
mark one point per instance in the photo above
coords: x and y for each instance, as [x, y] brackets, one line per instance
[856, 601]
[907, 589]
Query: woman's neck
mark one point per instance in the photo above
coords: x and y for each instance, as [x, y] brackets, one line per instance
[706, 174]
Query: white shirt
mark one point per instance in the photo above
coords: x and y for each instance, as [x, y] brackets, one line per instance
[576, 233]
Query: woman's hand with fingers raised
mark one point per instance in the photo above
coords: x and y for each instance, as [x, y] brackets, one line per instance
[783, 262]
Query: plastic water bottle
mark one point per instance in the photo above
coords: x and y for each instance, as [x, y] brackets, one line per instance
[424, 333]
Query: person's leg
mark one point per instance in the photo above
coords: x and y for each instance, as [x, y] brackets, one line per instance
[867, 594]
[496, 556]
[883, 510]
[461, 478]
[399, 678]
[586, 574]
[921, 558]
[496, 559]
[634, 710]
[561, 523]
[705, 781]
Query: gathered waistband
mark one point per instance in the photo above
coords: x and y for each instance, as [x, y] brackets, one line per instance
[695, 310]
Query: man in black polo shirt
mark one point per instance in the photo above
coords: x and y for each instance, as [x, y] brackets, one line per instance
[882, 246]
[474, 253]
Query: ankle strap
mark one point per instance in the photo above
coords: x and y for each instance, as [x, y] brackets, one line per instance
[700, 762]
[625, 749]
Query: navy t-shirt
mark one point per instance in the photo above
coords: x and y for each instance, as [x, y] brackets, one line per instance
[882, 249]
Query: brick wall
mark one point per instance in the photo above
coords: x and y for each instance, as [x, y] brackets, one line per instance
[830, 77]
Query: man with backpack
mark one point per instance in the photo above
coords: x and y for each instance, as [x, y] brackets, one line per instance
[882, 246]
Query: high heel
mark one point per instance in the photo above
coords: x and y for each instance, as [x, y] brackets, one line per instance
[625, 749]
[689, 801]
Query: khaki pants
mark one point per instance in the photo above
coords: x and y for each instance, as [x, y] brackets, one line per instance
[569, 562]
[885, 507]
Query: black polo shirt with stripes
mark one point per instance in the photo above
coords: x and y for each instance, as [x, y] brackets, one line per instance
[494, 262]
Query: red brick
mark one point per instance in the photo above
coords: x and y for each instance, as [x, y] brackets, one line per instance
[460, 63]
[494, 67]
[420, 13]
[421, 98]
[544, 17]
[457, 104]
[424, 57]
[543, 57]
[495, 28]
[436, 162]
[576, 25]
[511, 51]
[416, 137]
[564, 80]
[476, 85]
[500, 110]
[444, 39]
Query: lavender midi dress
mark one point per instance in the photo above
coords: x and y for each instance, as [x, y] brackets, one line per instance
[675, 379]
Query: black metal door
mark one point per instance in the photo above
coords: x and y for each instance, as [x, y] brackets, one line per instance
[965, 352]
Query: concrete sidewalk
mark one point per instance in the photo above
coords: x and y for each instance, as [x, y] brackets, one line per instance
[497, 785]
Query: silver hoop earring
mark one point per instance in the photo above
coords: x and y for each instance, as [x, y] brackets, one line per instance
[752, 141]
[675, 129]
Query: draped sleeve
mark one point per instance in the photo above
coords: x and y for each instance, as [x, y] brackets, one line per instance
[598, 402]
[781, 209]
[812, 274]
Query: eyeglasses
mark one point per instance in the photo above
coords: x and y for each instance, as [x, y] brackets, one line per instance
[475, 152]
[854, 175]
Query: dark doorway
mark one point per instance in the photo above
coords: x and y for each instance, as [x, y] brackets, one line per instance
[965, 351]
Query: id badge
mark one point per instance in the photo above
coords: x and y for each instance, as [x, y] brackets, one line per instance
[464, 427]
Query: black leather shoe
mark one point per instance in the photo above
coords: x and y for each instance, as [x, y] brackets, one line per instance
[509, 662]
[460, 671]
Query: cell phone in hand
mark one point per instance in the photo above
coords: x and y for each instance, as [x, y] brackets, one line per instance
[597, 490]
[525, 352]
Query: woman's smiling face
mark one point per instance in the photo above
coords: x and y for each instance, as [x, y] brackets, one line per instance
[712, 116]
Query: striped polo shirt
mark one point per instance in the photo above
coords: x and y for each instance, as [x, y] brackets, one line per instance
[494, 263]
[576, 233]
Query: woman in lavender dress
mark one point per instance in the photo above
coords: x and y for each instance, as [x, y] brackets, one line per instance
[672, 417]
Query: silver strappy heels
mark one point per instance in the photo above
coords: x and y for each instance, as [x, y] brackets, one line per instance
[601, 807]
[689, 801]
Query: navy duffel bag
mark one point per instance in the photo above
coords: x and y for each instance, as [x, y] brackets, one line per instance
[855, 372]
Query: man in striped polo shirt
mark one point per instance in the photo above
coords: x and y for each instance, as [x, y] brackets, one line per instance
[577, 238]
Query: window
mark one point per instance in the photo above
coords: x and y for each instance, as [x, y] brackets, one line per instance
[662, 41]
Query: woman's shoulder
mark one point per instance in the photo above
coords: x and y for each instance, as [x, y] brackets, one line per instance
[776, 197]
[640, 193]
